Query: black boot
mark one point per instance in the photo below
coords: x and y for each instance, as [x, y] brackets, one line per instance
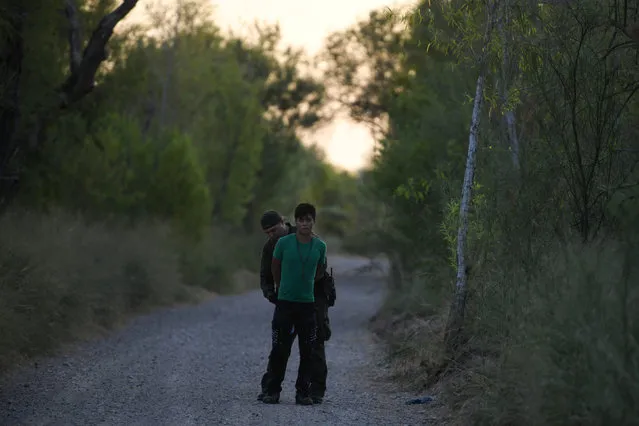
[303, 400]
[272, 398]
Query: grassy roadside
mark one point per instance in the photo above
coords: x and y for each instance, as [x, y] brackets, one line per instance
[63, 278]
[411, 327]
[556, 345]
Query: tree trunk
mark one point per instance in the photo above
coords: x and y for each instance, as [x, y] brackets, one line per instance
[10, 112]
[507, 77]
[458, 306]
[513, 138]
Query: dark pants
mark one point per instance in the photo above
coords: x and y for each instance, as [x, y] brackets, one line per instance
[319, 369]
[289, 316]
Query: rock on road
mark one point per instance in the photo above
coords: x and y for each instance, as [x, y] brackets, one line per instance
[201, 365]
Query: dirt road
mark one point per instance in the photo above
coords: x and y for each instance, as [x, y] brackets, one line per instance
[202, 365]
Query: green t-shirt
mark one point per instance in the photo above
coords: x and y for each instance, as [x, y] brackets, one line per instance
[299, 263]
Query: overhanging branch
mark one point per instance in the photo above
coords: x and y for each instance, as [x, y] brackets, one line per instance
[81, 79]
[75, 40]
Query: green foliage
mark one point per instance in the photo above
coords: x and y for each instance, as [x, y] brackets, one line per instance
[178, 190]
[113, 170]
[152, 130]
[414, 167]
[550, 338]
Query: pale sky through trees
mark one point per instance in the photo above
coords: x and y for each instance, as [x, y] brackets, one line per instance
[306, 24]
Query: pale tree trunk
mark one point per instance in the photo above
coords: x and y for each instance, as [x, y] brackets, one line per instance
[513, 138]
[458, 306]
[506, 83]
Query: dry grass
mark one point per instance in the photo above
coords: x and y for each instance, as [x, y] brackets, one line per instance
[62, 278]
[557, 347]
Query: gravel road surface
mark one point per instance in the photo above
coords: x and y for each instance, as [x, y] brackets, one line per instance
[201, 365]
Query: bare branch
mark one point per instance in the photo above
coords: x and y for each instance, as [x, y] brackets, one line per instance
[75, 40]
[82, 81]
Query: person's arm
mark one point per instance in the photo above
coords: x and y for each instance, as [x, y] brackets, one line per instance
[266, 275]
[320, 271]
[276, 264]
[321, 263]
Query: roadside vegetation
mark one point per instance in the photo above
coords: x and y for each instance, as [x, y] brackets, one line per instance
[504, 190]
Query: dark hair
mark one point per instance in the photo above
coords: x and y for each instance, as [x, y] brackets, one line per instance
[305, 209]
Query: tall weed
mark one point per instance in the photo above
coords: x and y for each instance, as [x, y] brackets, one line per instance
[62, 277]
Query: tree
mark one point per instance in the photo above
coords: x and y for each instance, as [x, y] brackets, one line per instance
[458, 308]
[294, 103]
[362, 63]
[79, 81]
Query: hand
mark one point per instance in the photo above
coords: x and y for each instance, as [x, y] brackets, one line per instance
[272, 297]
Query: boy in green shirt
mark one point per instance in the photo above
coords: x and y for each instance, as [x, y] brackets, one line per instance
[298, 262]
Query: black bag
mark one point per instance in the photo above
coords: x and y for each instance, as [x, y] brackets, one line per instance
[329, 288]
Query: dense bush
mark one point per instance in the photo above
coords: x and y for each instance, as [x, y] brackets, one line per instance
[549, 334]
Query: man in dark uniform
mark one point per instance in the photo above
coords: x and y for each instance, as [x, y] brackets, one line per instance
[274, 227]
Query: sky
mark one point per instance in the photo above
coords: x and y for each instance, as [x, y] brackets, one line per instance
[306, 24]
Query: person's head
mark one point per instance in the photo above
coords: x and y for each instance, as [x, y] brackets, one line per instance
[273, 224]
[305, 218]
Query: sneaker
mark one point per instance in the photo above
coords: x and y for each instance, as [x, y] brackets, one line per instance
[260, 396]
[271, 398]
[303, 400]
[317, 399]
